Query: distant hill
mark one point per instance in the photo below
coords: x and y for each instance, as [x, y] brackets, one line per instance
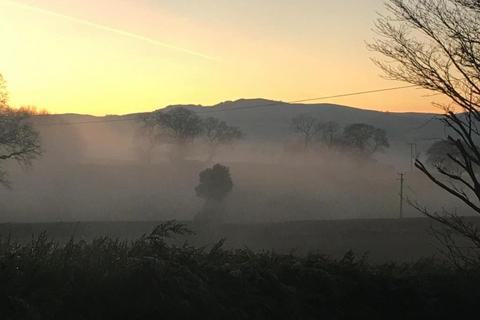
[269, 120]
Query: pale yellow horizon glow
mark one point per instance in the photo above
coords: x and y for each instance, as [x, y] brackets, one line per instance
[117, 57]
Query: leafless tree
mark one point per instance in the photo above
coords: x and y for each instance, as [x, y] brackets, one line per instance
[18, 139]
[435, 44]
[218, 133]
[329, 133]
[307, 127]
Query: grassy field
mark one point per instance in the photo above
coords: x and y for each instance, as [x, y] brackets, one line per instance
[382, 239]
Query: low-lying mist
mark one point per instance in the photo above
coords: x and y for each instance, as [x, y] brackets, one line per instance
[108, 172]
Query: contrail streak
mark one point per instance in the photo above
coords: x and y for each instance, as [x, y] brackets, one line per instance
[106, 28]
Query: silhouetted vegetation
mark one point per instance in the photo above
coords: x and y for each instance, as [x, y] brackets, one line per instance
[444, 59]
[177, 127]
[357, 139]
[329, 133]
[218, 133]
[18, 140]
[215, 184]
[364, 140]
[439, 153]
[307, 127]
[3, 91]
[153, 278]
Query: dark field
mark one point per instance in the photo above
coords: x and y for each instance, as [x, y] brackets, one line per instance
[382, 240]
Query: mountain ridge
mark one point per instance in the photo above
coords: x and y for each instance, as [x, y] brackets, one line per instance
[249, 102]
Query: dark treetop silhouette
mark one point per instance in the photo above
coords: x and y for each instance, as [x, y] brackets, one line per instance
[215, 184]
[18, 140]
[435, 44]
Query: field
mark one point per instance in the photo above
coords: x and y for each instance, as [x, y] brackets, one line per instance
[382, 240]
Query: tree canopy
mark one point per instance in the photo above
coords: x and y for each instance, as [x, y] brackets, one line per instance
[18, 139]
[177, 125]
[217, 133]
[215, 183]
[364, 139]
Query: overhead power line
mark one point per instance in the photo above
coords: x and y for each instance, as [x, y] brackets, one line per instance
[242, 108]
[270, 104]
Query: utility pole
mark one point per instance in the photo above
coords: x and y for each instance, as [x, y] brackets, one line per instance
[413, 154]
[402, 178]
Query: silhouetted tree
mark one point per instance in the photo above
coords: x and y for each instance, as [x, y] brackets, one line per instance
[329, 133]
[218, 133]
[435, 44]
[214, 185]
[438, 156]
[18, 139]
[3, 91]
[307, 127]
[364, 139]
[177, 126]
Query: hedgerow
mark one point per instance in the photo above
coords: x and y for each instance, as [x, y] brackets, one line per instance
[153, 278]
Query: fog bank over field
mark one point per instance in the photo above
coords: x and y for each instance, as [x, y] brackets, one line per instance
[101, 168]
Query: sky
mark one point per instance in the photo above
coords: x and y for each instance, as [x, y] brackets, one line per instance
[123, 56]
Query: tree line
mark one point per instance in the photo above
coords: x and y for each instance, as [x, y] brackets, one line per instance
[358, 139]
[181, 127]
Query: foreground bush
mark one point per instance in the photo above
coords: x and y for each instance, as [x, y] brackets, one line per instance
[153, 279]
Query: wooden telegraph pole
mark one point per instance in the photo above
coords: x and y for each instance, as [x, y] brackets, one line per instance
[413, 154]
[402, 180]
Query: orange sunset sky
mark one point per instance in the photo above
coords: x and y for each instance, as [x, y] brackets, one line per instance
[120, 56]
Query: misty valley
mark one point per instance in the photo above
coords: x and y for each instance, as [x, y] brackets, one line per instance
[351, 192]
[97, 170]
